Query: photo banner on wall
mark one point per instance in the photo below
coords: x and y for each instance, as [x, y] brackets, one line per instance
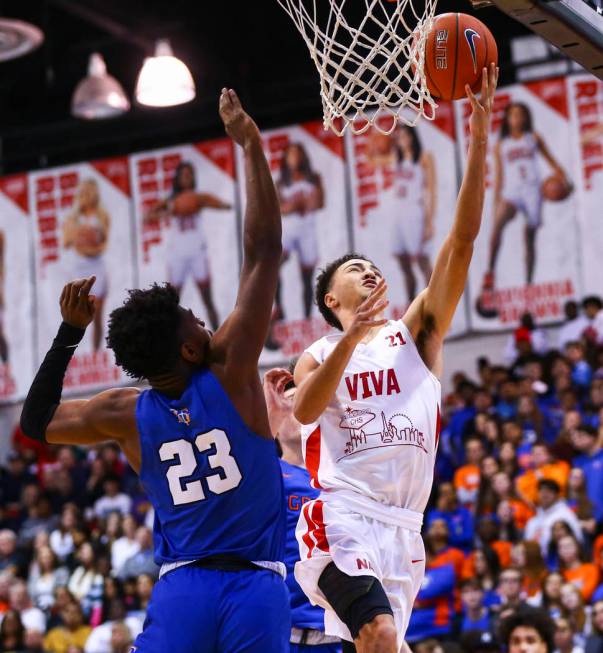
[586, 111]
[526, 258]
[184, 205]
[83, 227]
[404, 189]
[16, 290]
[307, 164]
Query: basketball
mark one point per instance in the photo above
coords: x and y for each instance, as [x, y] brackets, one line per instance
[458, 47]
[186, 203]
[556, 189]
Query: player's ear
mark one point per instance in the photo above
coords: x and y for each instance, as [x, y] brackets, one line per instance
[331, 301]
[191, 353]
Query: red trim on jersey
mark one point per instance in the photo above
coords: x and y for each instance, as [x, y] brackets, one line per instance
[320, 534]
[308, 541]
[313, 457]
[438, 429]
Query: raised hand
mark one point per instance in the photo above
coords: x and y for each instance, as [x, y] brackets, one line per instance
[279, 406]
[366, 314]
[239, 126]
[479, 123]
[77, 304]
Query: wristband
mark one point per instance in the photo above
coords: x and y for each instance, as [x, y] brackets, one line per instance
[68, 336]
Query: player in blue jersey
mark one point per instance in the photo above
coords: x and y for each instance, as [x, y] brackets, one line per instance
[199, 438]
[308, 621]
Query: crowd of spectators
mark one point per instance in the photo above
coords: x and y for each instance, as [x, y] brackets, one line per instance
[516, 517]
[515, 521]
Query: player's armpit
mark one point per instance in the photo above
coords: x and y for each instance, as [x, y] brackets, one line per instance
[109, 415]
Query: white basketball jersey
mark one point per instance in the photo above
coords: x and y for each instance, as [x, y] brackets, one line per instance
[519, 163]
[297, 187]
[378, 436]
[186, 235]
[410, 181]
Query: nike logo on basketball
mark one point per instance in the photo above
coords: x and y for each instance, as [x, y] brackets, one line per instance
[470, 35]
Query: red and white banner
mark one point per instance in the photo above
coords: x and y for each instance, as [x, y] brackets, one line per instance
[586, 112]
[307, 163]
[184, 203]
[404, 189]
[16, 290]
[527, 255]
[83, 227]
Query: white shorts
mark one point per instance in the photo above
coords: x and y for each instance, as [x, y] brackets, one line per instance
[180, 266]
[299, 235]
[528, 200]
[362, 537]
[407, 234]
[88, 266]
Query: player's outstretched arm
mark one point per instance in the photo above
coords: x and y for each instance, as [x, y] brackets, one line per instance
[439, 300]
[108, 416]
[212, 202]
[240, 340]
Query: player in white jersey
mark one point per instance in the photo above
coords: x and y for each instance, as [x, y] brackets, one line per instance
[517, 188]
[86, 231]
[301, 194]
[186, 242]
[369, 398]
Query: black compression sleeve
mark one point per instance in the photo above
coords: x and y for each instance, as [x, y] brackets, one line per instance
[44, 395]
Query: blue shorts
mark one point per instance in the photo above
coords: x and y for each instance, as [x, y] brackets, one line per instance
[323, 648]
[194, 610]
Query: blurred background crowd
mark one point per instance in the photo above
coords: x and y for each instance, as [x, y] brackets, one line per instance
[515, 519]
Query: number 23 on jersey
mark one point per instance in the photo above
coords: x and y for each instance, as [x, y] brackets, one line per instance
[183, 450]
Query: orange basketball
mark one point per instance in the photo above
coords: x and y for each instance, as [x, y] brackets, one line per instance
[458, 47]
[186, 203]
[555, 189]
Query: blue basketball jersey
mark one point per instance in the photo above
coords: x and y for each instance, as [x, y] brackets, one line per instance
[298, 492]
[216, 486]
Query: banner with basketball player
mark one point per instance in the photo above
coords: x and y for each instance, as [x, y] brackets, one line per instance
[307, 163]
[526, 258]
[83, 227]
[586, 111]
[16, 290]
[184, 206]
[404, 188]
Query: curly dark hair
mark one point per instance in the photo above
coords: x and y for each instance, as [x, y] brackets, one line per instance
[323, 285]
[143, 331]
[531, 618]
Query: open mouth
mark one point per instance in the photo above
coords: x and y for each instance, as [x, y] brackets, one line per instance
[369, 283]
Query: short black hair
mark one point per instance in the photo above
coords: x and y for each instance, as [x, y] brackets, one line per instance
[144, 331]
[323, 285]
[592, 300]
[549, 484]
[534, 618]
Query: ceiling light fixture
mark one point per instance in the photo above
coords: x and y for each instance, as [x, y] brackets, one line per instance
[164, 80]
[99, 95]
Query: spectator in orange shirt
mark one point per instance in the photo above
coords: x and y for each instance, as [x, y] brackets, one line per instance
[508, 501]
[489, 533]
[544, 466]
[466, 478]
[527, 557]
[584, 575]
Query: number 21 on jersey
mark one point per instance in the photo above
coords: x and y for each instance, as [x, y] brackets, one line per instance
[187, 463]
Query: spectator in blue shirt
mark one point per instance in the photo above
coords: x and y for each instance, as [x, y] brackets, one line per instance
[474, 615]
[458, 518]
[582, 373]
[590, 460]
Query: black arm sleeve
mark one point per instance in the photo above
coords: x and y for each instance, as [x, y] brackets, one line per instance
[44, 395]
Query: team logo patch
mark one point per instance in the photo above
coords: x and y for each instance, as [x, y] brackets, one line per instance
[182, 415]
[470, 36]
[133, 649]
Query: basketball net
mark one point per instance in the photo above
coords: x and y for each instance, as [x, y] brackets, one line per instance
[371, 66]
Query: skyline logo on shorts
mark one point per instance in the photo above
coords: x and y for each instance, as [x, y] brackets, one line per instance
[182, 415]
[470, 35]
